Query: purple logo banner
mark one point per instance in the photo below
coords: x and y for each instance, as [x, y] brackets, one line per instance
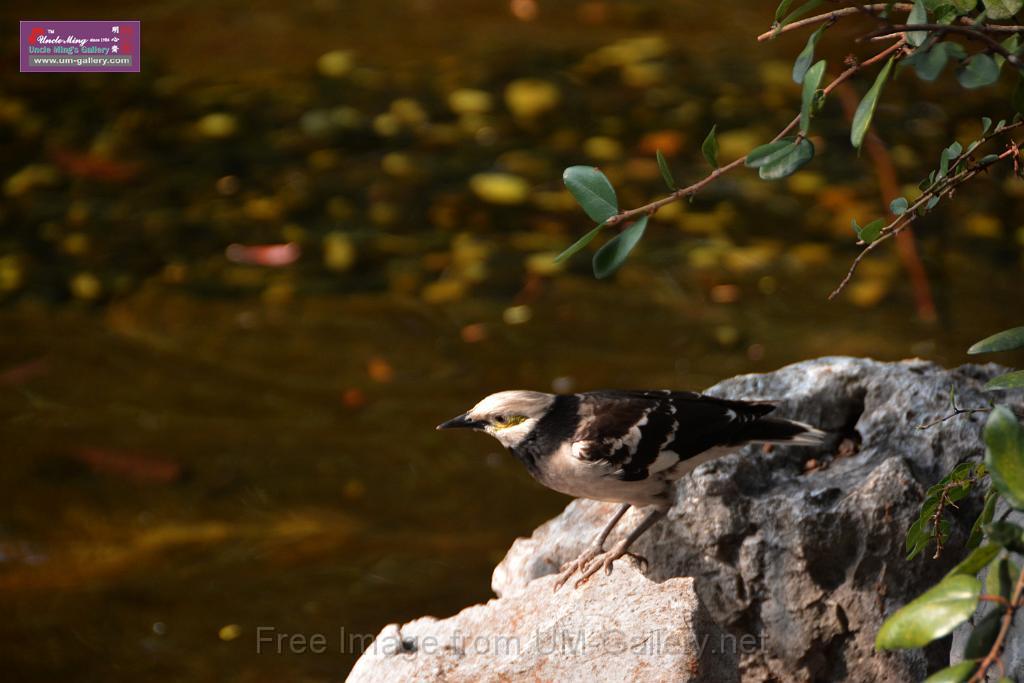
[81, 46]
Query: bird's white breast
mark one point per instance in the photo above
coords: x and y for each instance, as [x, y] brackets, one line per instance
[565, 472]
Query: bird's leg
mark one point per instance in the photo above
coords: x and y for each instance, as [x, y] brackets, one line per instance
[595, 549]
[622, 548]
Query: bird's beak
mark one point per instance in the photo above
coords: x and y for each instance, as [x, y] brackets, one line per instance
[461, 422]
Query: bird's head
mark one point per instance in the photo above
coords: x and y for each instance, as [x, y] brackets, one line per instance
[508, 416]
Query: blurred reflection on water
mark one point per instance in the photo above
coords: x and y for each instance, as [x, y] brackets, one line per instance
[204, 435]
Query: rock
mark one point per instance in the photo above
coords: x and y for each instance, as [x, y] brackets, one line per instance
[809, 562]
[806, 562]
[648, 632]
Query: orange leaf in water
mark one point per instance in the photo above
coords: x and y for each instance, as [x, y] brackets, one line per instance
[134, 467]
[273, 255]
[380, 370]
[95, 167]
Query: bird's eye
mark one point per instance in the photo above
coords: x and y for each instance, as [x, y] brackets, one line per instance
[504, 421]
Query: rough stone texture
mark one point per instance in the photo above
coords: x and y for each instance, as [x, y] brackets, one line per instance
[808, 561]
[804, 561]
[626, 628]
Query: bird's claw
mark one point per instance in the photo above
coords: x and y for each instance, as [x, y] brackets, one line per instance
[573, 566]
[607, 561]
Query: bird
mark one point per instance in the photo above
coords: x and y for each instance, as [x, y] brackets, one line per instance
[627, 447]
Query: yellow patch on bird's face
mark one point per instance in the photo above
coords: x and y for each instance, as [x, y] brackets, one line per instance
[506, 421]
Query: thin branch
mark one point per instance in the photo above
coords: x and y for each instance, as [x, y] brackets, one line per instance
[649, 209]
[940, 189]
[997, 647]
[971, 32]
[834, 15]
[879, 7]
[889, 187]
[956, 411]
[999, 599]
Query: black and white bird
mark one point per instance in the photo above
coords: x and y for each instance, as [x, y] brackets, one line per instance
[623, 446]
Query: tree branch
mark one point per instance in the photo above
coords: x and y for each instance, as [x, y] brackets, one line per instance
[651, 208]
[889, 187]
[876, 8]
[971, 32]
[939, 189]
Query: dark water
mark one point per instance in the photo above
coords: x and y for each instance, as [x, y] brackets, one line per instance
[195, 449]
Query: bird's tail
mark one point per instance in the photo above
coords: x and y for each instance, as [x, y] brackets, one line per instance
[781, 431]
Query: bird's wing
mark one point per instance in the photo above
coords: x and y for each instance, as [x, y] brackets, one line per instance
[640, 432]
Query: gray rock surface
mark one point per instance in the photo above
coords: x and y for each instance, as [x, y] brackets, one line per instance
[796, 549]
[648, 632]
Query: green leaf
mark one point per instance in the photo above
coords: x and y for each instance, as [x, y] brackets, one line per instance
[1002, 9]
[870, 232]
[1007, 340]
[945, 14]
[932, 615]
[964, 6]
[977, 560]
[918, 15]
[984, 634]
[1012, 45]
[958, 673]
[1004, 454]
[930, 63]
[614, 252]
[788, 161]
[987, 512]
[811, 83]
[866, 108]
[1011, 380]
[666, 172]
[899, 206]
[800, 11]
[917, 539]
[764, 154]
[781, 10]
[978, 71]
[593, 191]
[1001, 577]
[710, 147]
[806, 56]
[1006, 534]
[944, 163]
[579, 244]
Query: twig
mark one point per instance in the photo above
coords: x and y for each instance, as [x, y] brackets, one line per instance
[985, 597]
[936, 519]
[956, 411]
[889, 186]
[649, 209]
[939, 189]
[997, 646]
[871, 9]
[972, 32]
